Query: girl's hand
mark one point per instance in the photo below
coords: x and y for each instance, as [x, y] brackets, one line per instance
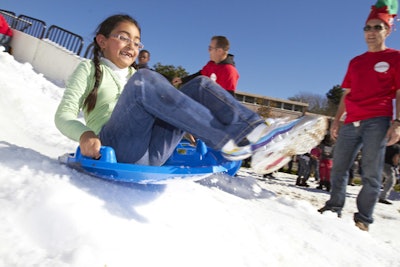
[90, 145]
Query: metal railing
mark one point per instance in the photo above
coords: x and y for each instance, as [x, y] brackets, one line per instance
[65, 38]
[37, 28]
[18, 23]
[9, 16]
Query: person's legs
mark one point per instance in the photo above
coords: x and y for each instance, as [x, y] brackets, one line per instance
[307, 171]
[351, 175]
[5, 41]
[322, 173]
[314, 167]
[389, 173]
[163, 141]
[316, 170]
[346, 148]
[204, 110]
[301, 168]
[328, 165]
[290, 165]
[373, 137]
[232, 117]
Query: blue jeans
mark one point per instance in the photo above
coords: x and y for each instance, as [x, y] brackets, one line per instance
[151, 117]
[390, 174]
[369, 136]
[314, 164]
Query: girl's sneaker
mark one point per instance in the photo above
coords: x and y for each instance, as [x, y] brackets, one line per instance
[307, 133]
[277, 141]
[261, 135]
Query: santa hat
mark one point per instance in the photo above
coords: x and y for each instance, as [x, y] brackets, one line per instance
[384, 10]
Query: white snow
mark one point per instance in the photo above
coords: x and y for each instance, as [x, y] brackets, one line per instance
[53, 216]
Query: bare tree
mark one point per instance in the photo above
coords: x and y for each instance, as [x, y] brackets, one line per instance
[316, 103]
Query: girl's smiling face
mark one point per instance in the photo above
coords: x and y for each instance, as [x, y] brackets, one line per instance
[122, 46]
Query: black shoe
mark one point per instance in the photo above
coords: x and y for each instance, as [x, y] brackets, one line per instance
[325, 208]
[269, 176]
[319, 187]
[327, 189]
[304, 184]
[384, 201]
[328, 186]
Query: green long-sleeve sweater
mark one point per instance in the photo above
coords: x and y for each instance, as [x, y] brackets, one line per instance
[78, 88]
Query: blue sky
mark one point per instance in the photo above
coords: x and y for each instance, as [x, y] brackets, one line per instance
[281, 48]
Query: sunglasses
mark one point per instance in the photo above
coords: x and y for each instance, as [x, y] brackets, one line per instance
[375, 28]
[211, 48]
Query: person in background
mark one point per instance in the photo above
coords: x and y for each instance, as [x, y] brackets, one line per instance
[290, 165]
[315, 155]
[6, 34]
[371, 83]
[354, 170]
[143, 59]
[326, 162]
[390, 172]
[143, 117]
[221, 67]
[304, 170]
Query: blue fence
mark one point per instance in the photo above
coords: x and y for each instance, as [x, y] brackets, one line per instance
[37, 28]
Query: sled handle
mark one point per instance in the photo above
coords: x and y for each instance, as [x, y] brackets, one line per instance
[107, 154]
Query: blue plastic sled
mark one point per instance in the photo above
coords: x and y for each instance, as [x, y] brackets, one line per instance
[186, 162]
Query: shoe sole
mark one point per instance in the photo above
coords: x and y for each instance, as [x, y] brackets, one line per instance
[301, 138]
[385, 202]
[362, 226]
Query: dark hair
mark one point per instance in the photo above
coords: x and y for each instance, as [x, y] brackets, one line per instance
[144, 51]
[105, 28]
[222, 42]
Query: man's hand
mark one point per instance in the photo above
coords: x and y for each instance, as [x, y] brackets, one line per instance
[334, 129]
[90, 145]
[176, 81]
[393, 134]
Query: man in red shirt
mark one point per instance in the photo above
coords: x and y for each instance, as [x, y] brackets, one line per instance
[371, 83]
[221, 67]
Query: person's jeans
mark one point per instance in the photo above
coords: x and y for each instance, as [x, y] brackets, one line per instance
[5, 41]
[314, 165]
[389, 174]
[151, 117]
[369, 136]
[304, 169]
